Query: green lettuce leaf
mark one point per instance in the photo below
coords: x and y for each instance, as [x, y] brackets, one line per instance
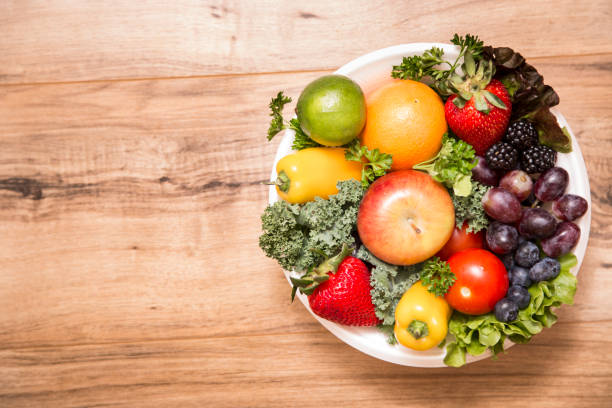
[455, 355]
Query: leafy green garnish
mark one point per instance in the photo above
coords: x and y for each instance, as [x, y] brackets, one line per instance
[301, 140]
[302, 236]
[469, 209]
[389, 282]
[474, 334]
[549, 132]
[437, 276]
[374, 163]
[276, 107]
[452, 166]
[469, 43]
[418, 67]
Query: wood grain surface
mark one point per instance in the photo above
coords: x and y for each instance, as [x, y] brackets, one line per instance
[132, 148]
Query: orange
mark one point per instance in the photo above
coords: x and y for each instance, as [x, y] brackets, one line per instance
[405, 119]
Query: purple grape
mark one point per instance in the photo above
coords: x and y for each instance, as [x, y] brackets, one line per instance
[502, 205]
[551, 184]
[531, 200]
[501, 238]
[483, 173]
[566, 236]
[537, 223]
[569, 207]
[518, 183]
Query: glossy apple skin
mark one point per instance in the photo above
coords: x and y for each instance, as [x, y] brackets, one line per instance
[405, 217]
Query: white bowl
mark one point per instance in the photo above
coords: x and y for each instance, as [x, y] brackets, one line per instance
[370, 71]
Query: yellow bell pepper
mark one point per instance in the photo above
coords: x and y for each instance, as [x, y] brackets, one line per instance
[421, 318]
[313, 172]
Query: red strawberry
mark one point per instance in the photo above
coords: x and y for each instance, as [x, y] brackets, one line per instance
[479, 110]
[481, 130]
[342, 296]
[345, 298]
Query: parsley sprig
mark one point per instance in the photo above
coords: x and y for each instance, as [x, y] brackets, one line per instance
[374, 162]
[437, 276]
[276, 107]
[452, 166]
[301, 140]
[433, 65]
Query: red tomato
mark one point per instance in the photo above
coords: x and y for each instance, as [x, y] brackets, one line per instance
[460, 240]
[482, 280]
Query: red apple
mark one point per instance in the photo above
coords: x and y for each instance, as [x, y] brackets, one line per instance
[405, 217]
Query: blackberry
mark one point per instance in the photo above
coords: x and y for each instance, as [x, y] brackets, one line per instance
[502, 156]
[538, 159]
[522, 135]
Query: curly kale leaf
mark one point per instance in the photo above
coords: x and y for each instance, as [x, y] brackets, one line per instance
[469, 209]
[283, 238]
[330, 223]
[300, 237]
[389, 282]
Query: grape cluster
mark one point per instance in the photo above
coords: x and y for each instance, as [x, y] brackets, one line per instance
[520, 223]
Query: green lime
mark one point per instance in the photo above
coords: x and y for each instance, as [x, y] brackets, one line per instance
[332, 110]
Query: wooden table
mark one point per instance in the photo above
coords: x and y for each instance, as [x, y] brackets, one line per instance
[132, 150]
